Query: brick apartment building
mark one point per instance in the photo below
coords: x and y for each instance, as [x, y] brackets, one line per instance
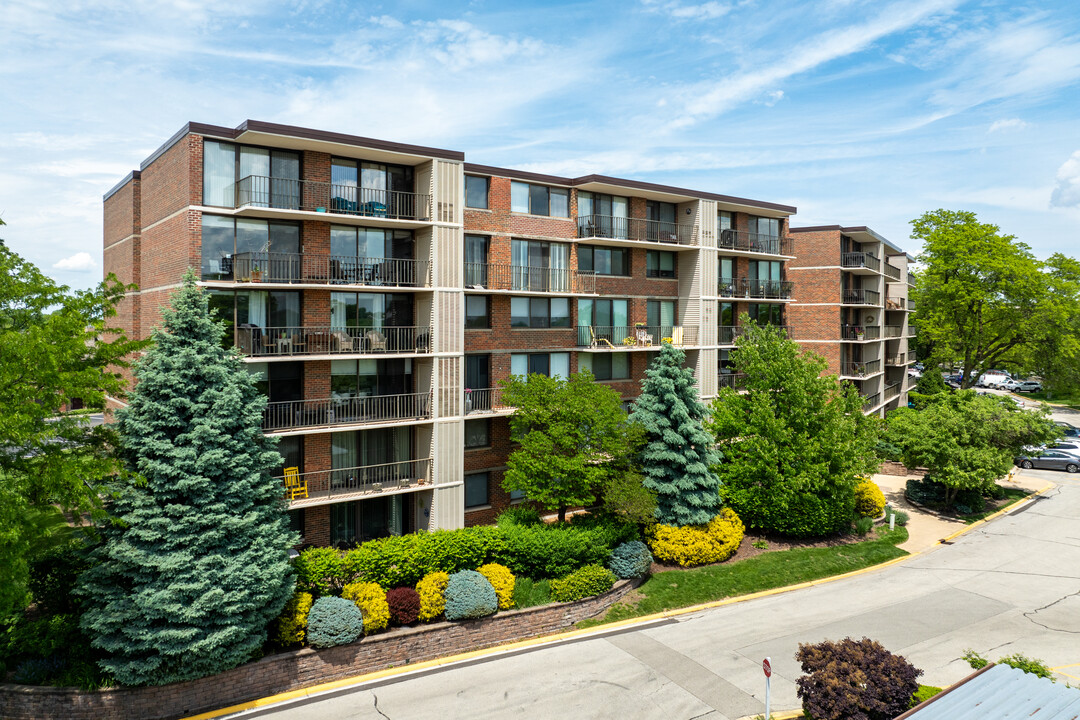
[380, 292]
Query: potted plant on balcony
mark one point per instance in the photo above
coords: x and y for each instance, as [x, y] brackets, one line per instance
[859, 332]
[468, 401]
[256, 273]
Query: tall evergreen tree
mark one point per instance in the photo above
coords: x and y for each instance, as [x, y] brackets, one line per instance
[196, 563]
[679, 453]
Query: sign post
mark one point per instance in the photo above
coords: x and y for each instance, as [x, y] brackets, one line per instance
[767, 667]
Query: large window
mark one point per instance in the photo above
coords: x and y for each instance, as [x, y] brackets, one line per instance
[661, 314]
[358, 521]
[606, 366]
[765, 226]
[659, 264]
[243, 175]
[539, 199]
[539, 312]
[765, 314]
[477, 315]
[476, 191]
[370, 244]
[602, 215]
[663, 226]
[476, 490]
[603, 313]
[477, 433]
[248, 248]
[766, 270]
[362, 457]
[363, 378]
[540, 266]
[476, 257]
[477, 373]
[368, 188]
[279, 381]
[604, 261]
[556, 365]
[725, 220]
[262, 320]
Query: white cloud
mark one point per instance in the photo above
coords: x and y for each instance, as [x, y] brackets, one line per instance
[679, 11]
[772, 98]
[1067, 190]
[1010, 124]
[79, 262]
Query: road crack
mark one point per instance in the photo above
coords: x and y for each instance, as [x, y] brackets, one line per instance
[376, 698]
[1031, 615]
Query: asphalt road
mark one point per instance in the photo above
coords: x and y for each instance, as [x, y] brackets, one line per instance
[1009, 586]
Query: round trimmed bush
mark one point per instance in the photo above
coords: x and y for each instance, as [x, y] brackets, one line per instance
[318, 571]
[631, 560]
[502, 580]
[869, 500]
[698, 544]
[371, 599]
[583, 582]
[432, 591]
[404, 605]
[334, 621]
[290, 626]
[469, 595]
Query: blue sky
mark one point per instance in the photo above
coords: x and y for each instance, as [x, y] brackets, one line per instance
[855, 112]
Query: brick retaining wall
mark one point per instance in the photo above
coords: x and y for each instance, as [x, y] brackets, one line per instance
[888, 467]
[301, 668]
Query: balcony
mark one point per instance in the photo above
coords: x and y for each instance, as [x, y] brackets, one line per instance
[860, 369]
[324, 486]
[911, 305]
[892, 273]
[912, 330]
[296, 414]
[861, 297]
[871, 402]
[857, 261]
[636, 337]
[528, 279]
[485, 401]
[896, 360]
[303, 269]
[891, 391]
[258, 191]
[893, 331]
[276, 342]
[748, 242]
[727, 334]
[627, 231]
[731, 380]
[895, 303]
[761, 289]
[860, 332]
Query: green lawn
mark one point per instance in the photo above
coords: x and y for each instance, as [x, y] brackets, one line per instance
[1013, 495]
[1069, 399]
[682, 588]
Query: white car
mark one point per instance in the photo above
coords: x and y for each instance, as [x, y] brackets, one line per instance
[993, 378]
[1009, 385]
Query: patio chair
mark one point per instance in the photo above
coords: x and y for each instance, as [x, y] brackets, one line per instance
[344, 341]
[595, 340]
[376, 341]
[677, 336]
[295, 486]
[644, 339]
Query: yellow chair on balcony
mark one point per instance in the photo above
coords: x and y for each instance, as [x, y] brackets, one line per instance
[295, 486]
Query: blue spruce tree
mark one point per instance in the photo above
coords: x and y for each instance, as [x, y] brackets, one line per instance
[679, 451]
[195, 563]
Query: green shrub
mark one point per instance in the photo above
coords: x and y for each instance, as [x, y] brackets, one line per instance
[53, 576]
[519, 515]
[549, 552]
[924, 693]
[582, 583]
[469, 595]
[334, 621]
[610, 529]
[887, 451]
[854, 679]
[371, 599]
[630, 560]
[974, 659]
[404, 560]
[969, 501]
[869, 500]
[290, 626]
[1028, 665]
[319, 571]
[901, 516]
[38, 671]
[863, 525]
[530, 593]
[925, 491]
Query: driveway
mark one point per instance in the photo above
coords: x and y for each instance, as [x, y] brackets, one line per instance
[1012, 585]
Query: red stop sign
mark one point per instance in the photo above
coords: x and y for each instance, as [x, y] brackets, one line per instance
[766, 667]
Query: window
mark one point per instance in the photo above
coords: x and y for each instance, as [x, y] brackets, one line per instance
[279, 381]
[663, 227]
[764, 314]
[539, 199]
[476, 490]
[370, 244]
[367, 188]
[604, 315]
[661, 314]
[659, 264]
[556, 365]
[477, 433]
[476, 191]
[602, 215]
[476, 254]
[243, 175]
[765, 226]
[370, 310]
[363, 378]
[477, 316]
[540, 266]
[296, 522]
[725, 220]
[606, 366]
[477, 372]
[239, 248]
[539, 312]
[604, 261]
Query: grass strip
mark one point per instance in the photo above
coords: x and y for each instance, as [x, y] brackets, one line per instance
[1070, 399]
[682, 588]
[1013, 495]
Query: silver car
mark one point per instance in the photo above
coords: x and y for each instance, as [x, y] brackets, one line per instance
[1050, 460]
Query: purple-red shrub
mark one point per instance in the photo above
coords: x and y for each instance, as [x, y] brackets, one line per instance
[404, 605]
[854, 680]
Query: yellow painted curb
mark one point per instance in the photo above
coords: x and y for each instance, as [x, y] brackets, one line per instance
[597, 630]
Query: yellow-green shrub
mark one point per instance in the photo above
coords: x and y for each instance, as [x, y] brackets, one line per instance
[869, 500]
[698, 544]
[432, 590]
[291, 625]
[371, 599]
[502, 580]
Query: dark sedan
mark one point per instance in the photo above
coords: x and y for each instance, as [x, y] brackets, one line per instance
[1050, 460]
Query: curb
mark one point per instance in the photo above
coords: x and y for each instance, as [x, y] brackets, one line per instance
[598, 631]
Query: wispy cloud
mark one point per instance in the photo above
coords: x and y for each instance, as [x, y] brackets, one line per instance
[688, 11]
[1005, 125]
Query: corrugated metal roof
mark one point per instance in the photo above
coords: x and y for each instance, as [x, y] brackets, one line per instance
[1002, 693]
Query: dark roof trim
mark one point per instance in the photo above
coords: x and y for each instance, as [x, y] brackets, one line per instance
[632, 184]
[133, 175]
[815, 228]
[945, 692]
[322, 135]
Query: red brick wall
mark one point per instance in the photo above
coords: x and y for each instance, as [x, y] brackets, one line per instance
[173, 180]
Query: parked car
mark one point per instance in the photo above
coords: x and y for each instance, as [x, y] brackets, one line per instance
[1029, 386]
[1050, 460]
[1071, 447]
[992, 378]
[1009, 385]
[1069, 431]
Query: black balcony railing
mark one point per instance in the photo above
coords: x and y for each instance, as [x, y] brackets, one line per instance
[342, 199]
[893, 331]
[892, 391]
[852, 260]
[891, 271]
[726, 334]
[871, 402]
[324, 484]
[754, 242]
[300, 268]
[484, 400]
[859, 296]
[346, 411]
[624, 337]
[860, 332]
[896, 360]
[526, 278]
[620, 228]
[731, 380]
[912, 330]
[860, 369]
[745, 287]
[330, 340]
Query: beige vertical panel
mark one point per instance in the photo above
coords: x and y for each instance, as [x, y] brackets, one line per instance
[425, 180]
[448, 512]
[448, 386]
[448, 257]
[448, 461]
[708, 360]
[709, 319]
[449, 181]
[707, 223]
[449, 321]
